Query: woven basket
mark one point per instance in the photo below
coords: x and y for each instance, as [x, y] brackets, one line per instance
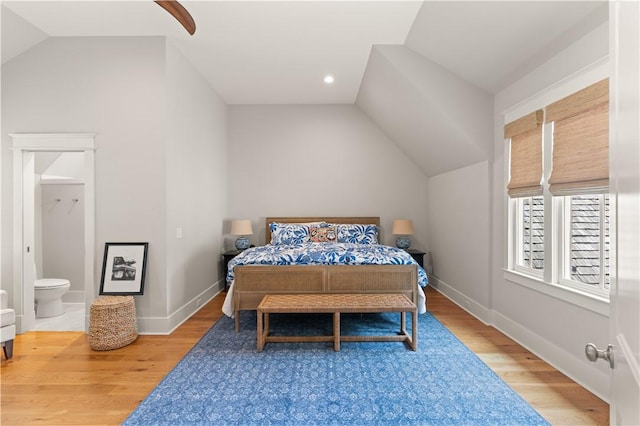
[113, 323]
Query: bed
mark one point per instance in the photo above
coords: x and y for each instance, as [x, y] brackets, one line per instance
[321, 255]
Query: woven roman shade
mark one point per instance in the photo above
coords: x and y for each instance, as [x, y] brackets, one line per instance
[526, 155]
[581, 141]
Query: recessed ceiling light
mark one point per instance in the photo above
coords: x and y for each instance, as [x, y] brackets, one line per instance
[328, 79]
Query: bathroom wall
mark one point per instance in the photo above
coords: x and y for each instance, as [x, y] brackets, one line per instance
[62, 238]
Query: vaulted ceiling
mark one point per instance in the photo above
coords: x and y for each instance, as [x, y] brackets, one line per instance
[393, 59]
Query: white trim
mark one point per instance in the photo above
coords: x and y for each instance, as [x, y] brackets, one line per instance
[584, 288]
[167, 325]
[62, 181]
[564, 206]
[591, 302]
[572, 366]
[53, 141]
[511, 226]
[623, 345]
[89, 228]
[579, 80]
[518, 241]
[467, 304]
[564, 239]
[567, 363]
[22, 299]
[533, 273]
[602, 201]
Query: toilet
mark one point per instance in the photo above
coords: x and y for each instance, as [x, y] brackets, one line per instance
[48, 296]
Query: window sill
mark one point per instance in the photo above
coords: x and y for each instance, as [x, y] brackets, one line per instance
[578, 298]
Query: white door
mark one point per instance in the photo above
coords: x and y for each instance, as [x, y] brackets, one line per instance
[28, 238]
[625, 185]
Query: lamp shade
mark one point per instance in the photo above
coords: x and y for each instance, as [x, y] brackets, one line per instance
[402, 227]
[241, 227]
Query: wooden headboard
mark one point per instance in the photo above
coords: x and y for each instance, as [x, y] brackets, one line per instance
[350, 220]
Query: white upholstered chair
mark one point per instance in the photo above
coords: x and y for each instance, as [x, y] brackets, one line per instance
[7, 325]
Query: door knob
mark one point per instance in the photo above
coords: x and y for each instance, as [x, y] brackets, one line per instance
[593, 353]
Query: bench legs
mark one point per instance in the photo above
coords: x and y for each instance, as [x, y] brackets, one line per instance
[262, 333]
[259, 331]
[263, 329]
[336, 331]
[414, 329]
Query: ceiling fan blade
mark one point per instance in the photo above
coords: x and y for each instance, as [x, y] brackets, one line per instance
[180, 13]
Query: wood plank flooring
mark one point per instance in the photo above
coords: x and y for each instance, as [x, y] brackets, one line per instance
[557, 398]
[54, 378]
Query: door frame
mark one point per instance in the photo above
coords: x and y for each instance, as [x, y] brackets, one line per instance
[52, 142]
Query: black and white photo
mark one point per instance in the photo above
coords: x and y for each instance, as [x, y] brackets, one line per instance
[123, 268]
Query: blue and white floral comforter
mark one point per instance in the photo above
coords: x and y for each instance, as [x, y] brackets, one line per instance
[327, 253]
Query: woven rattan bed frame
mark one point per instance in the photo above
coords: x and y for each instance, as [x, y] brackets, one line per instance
[253, 282]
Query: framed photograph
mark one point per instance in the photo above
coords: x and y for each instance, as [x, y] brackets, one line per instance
[123, 269]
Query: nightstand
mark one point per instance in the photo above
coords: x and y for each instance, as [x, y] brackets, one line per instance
[226, 257]
[417, 255]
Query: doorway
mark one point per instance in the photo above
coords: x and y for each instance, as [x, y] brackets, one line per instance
[24, 256]
[59, 234]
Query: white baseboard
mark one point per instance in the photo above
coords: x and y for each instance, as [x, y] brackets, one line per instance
[471, 306]
[166, 325]
[577, 369]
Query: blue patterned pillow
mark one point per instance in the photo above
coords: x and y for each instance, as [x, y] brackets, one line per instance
[360, 234]
[288, 233]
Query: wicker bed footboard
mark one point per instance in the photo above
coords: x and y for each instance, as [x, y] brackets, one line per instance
[253, 282]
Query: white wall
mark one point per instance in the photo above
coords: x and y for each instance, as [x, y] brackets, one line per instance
[143, 102]
[304, 160]
[112, 87]
[196, 184]
[459, 227]
[553, 328]
[438, 119]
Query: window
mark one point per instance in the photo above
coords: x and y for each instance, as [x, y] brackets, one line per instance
[559, 202]
[530, 241]
[585, 256]
[525, 189]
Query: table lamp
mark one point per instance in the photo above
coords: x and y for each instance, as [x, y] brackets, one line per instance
[241, 227]
[403, 228]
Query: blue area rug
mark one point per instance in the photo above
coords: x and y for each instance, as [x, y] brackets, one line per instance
[223, 380]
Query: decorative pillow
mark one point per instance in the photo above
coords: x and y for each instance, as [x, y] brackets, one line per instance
[322, 234]
[288, 233]
[359, 234]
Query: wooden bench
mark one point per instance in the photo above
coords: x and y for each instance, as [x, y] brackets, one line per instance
[337, 304]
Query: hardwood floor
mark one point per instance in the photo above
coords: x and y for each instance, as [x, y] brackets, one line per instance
[557, 398]
[55, 379]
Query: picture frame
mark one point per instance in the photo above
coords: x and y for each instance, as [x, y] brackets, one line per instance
[123, 269]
